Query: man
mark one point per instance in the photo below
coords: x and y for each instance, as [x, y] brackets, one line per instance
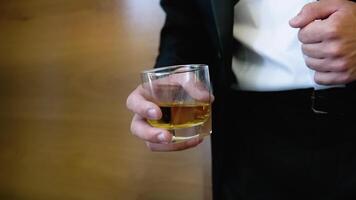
[284, 91]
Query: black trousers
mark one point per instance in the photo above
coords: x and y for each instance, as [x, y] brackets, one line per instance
[289, 145]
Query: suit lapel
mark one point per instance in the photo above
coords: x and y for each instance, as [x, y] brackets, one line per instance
[223, 14]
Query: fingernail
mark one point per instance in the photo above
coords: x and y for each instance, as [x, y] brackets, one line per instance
[294, 19]
[152, 113]
[162, 137]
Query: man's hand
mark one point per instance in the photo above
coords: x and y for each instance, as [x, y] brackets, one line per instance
[328, 36]
[156, 139]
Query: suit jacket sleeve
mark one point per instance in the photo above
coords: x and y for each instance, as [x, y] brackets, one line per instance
[184, 39]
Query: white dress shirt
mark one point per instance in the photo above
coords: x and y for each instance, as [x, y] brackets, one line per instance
[270, 56]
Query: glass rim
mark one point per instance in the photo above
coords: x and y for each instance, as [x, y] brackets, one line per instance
[163, 70]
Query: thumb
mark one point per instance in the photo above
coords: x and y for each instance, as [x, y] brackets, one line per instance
[314, 11]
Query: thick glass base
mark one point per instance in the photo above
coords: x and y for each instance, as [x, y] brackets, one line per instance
[185, 134]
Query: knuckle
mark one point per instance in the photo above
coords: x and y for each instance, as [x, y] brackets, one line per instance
[129, 101]
[133, 128]
[311, 63]
[307, 60]
[335, 50]
[147, 135]
[333, 31]
[302, 36]
[307, 63]
[308, 9]
[345, 78]
[138, 130]
[319, 80]
[342, 65]
[150, 135]
[305, 49]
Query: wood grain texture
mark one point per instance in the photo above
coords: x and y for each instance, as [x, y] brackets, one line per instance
[66, 68]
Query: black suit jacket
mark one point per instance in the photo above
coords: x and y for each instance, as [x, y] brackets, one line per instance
[201, 31]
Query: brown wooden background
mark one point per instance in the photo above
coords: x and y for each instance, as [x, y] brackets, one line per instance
[66, 68]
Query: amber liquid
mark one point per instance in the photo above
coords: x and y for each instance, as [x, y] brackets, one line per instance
[177, 116]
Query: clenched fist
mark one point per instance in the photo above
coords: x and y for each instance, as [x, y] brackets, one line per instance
[328, 36]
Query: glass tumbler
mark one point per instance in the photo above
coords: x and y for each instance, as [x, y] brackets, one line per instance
[184, 95]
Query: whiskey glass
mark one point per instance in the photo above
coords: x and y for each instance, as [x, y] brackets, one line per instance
[184, 95]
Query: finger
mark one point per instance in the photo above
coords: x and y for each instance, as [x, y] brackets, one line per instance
[174, 146]
[141, 129]
[313, 32]
[327, 49]
[184, 83]
[314, 50]
[332, 78]
[138, 104]
[316, 64]
[326, 65]
[313, 11]
[180, 86]
[198, 91]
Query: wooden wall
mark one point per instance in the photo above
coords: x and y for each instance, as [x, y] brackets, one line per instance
[66, 68]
